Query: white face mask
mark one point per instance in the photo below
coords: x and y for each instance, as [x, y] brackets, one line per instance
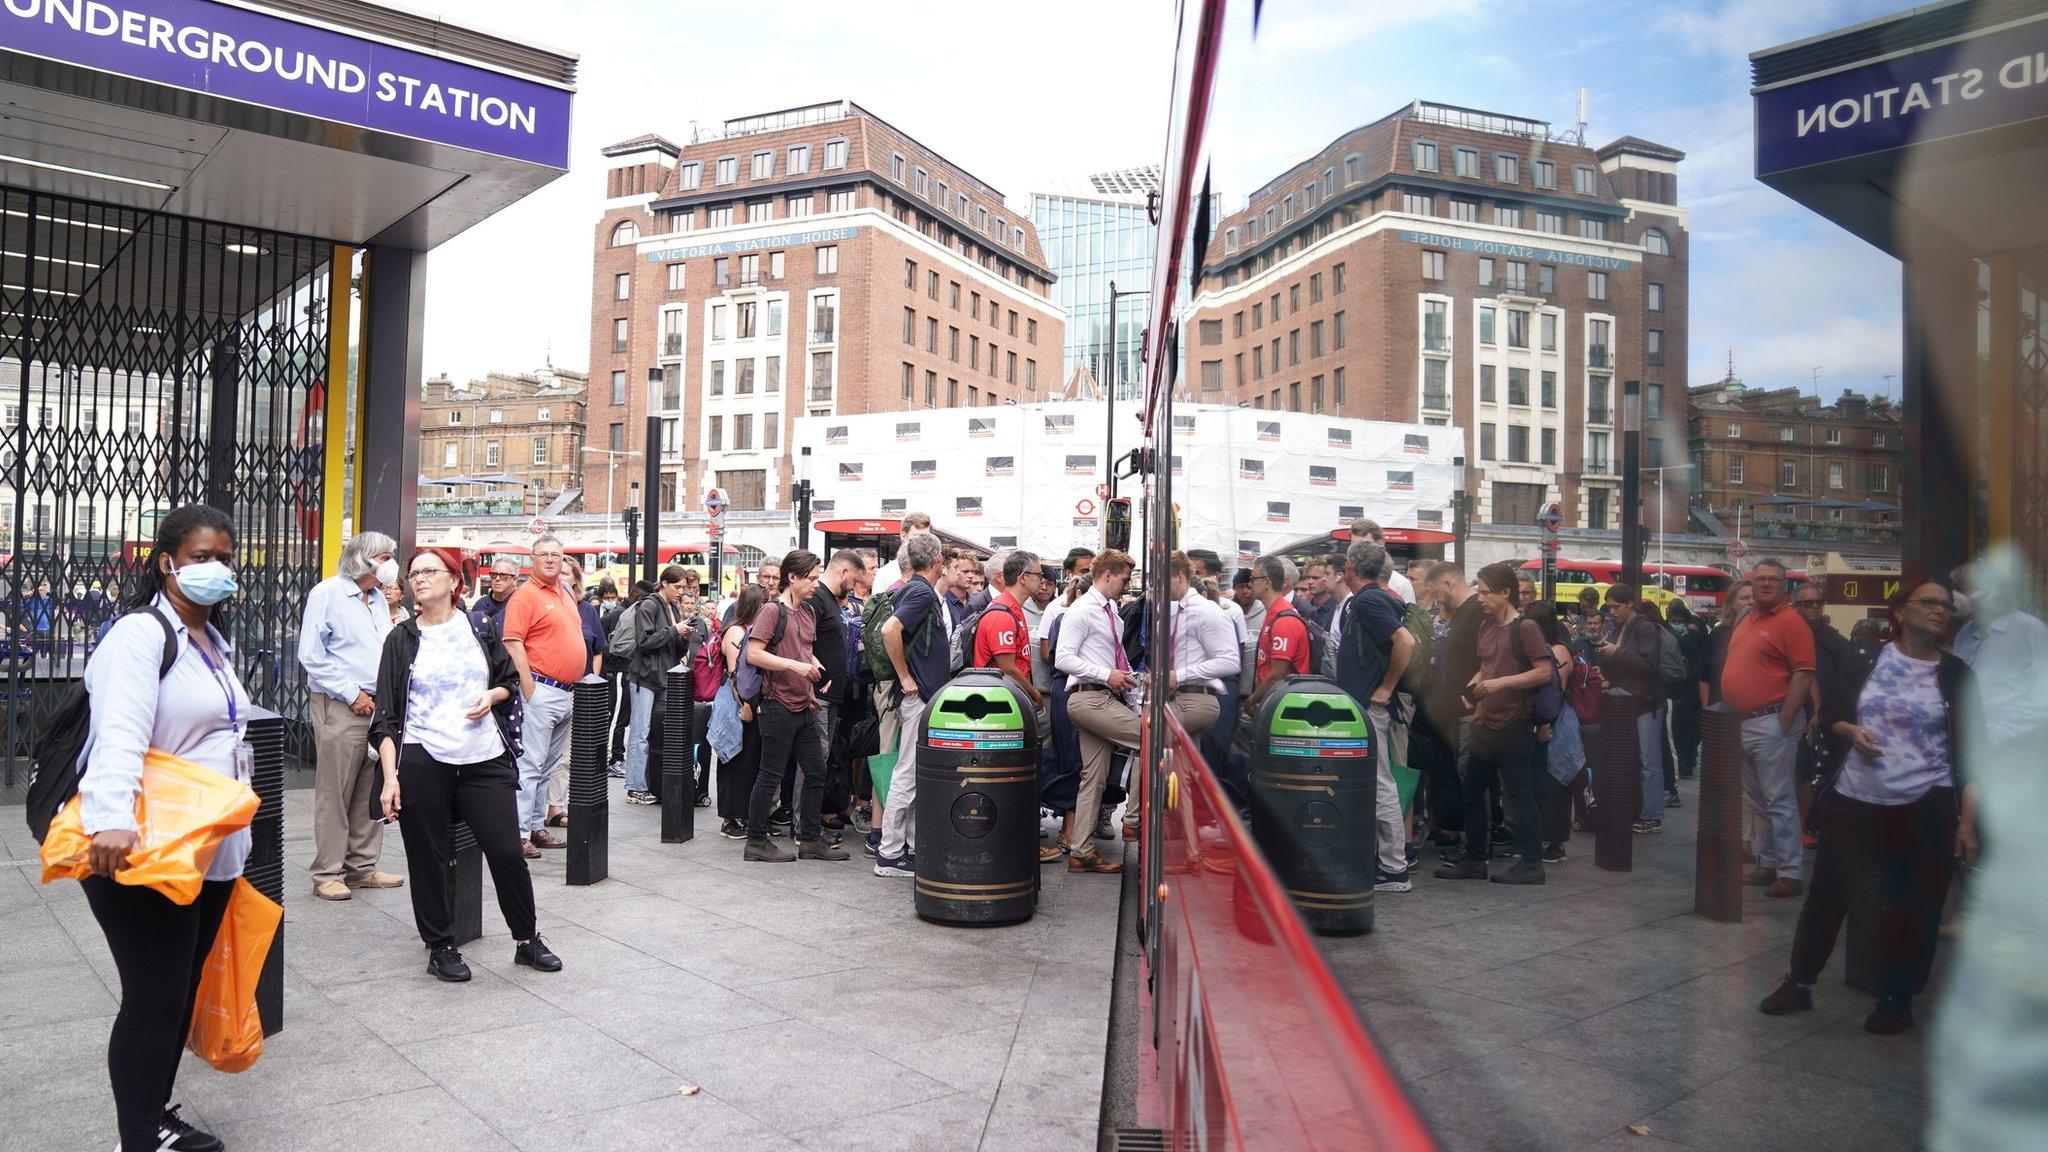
[387, 571]
[1966, 606]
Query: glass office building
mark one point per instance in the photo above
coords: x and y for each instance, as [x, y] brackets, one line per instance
[1096, 230]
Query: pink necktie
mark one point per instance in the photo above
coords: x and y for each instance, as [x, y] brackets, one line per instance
[1116, 639]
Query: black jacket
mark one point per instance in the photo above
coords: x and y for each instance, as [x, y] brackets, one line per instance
[394, 679]
[1637, 667]
[1840, 698]
[834, 645]
[660, 644]
[1835, 658]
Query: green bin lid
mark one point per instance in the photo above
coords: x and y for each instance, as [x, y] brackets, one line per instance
[976, 708]
[1314, 713]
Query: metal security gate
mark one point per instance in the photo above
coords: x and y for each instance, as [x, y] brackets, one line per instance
[146, 362]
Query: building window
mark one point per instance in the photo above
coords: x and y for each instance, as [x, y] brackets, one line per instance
[760, 210]
[1466, 211]
[1518, 387]
[1212, 375]
[1467, 160]
[1425, 156]
[1337, 278]
[719, 217]
[1654, 297]
[1653, 451]
[622, 286]
[835, 153]
[1552, 222]
[449, 454]
[1031, 328]
[1432, 265]
[1549, 329]
[617, 439]
[1546, 174]
[1487, 372]
[931, 334]
[689, 177]
[1735, 470]
[1507, 216]
[622, 331]
[1549, 389]
[1785, 435]
[714, 441]
[1788, 473]
[1486, 326]
[1337, 387]
[1549, 446]
[1485, 270]
[1486, 442]
[1880, 478]
[910, 325]
[540, 451]
[1507, 169]
[1834, 435]
[1596, 285]
[1653, 346]
[1518, 328]
[1584, 181]
[1337, 330]
[1656, 243]
[743, 377]
[1597, 347]
[1653, 401]
[931, 389]
[618, 387]
[1835, 476]
[455, 416]
[1592, 229]
[675, 277]
[1517, 279]
[716, 385]
[1418, 204]
[1315, 338]
[492, 454]
[625, 233]
[1735, 431]
[728, 169]
[1294, 348]
[764, 165]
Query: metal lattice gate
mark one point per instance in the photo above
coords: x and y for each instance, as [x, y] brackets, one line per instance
[146, 362]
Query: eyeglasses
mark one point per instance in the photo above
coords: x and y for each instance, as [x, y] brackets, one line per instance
[1930, 605]
[1811, 603]
[416, 573]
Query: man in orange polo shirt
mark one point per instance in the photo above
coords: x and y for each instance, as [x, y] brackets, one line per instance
[544, 636]
[1766, 683]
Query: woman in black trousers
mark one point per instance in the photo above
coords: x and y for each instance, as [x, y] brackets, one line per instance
[443, 732]
[736, 776]
[1891, 810]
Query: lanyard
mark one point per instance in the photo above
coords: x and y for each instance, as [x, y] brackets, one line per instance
[226, 689]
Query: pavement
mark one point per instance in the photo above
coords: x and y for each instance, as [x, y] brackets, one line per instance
[1599, 1013]
[706, 1003]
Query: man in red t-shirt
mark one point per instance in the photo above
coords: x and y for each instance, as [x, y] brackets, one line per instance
[1766, 682]
[1283, 638]
[1001, 639]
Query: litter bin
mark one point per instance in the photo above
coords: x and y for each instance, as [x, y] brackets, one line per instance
[977, 803]
[1314, 783]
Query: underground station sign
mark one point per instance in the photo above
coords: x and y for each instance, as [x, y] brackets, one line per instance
[263, 59]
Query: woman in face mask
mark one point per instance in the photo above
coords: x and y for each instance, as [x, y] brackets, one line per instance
[197, 710]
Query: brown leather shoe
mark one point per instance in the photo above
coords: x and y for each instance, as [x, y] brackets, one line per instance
[375, 880]
[541, 839]
[527, 850]
[1051, 854]
[1784, 888]
[1093, 863]
[332, 890]
[1130, 832]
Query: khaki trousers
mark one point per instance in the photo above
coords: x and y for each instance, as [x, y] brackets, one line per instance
[1103, 722]
[346, 840]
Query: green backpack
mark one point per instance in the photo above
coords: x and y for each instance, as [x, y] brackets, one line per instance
[1416, 618]
[874, 657]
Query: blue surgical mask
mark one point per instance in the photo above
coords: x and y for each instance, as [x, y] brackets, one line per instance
[207, 582]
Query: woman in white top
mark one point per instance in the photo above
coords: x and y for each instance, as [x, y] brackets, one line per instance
[196, 710]
[443, 731]
[1889, 808]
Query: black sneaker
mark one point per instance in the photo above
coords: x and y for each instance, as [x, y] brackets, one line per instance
[1462, 870]
[1553, 854]
[1673, 800]
[1384, 881]
[1447, 839]
[733, 829]
[833, 822]
[174, 1135]
[779, 818]
[703, 798]
[1502, 837]
[640, 796]
[871, 844]
[1411, 851]
[446, 964]
[536, 954]
[1892, 1016]
[1521, 873]
[1789, 997]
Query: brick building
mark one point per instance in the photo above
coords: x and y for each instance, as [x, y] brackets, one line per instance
[1454, 267]
[1753, 444]
[529, 426]
[812, 261]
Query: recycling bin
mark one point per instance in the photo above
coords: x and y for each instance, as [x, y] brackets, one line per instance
[1314, 784]
[977, 803]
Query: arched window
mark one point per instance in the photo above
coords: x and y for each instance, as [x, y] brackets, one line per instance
[1656, 243]
[625, 233]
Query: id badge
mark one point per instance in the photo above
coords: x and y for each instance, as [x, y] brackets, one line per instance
[245, 761]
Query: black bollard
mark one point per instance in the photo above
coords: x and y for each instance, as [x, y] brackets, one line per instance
[1618, 784]
[465, 866]
[678, 755]
[1717, 854]
[265, 867]
[590, 734]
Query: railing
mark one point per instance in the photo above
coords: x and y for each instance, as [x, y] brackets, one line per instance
[1600, 414]
[1597, 356]
[1435, 342]
[820, 394]
[1436, 401]
[1598, 467]
[672, 344]
[823, 335]
[1271, 1052]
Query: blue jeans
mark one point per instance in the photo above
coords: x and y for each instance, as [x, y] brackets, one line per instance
[545, 735]
[1650, 750]
[636, 737]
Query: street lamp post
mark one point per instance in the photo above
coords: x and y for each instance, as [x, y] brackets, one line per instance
[1109, 391]
[1631, 483]
[1660, 507]
[651, 482]
[611, 466]
[803, 498]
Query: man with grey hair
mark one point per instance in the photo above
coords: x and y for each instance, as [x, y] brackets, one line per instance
[341, 640]
[489, 610]
[1373, 650]
[1283, 638]
[1365, 529]
[919, 638]
[543, 633]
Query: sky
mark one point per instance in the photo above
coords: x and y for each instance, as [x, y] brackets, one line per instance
[1060, 87]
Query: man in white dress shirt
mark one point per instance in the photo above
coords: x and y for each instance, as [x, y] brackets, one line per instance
[1091, 655]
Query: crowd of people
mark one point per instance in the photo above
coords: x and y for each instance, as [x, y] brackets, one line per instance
[811, 682]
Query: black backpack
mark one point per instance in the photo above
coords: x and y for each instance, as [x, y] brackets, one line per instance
[60, 739]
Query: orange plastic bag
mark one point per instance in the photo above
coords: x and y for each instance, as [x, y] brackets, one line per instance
[227, 1031]
[182, 814]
